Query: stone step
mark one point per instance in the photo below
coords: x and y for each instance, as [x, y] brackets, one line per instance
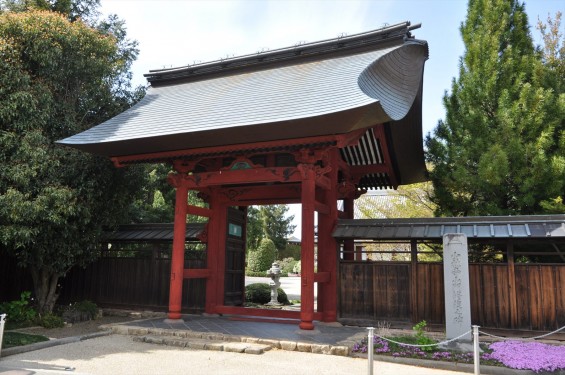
[203, 344]
[213, 341]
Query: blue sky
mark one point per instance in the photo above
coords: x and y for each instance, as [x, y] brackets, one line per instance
[174, 33]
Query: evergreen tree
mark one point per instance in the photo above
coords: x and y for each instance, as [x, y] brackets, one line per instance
[275, 224]
[500, 150]
[268, 222]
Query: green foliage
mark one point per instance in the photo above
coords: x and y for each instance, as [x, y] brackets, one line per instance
[261, 293]
[268, 221]
[501, 148]
[287, 265]
[409, 201]
[291, 250]
[87, 307]
[254, 228]
[422, 338]
[13, 339]
[253, 273]
[80, 312]
[19, 312]
[59, 78]
[51, 320]
[262, 259]
[297, 267]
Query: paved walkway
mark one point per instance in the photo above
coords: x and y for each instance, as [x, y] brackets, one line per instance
[261, 328]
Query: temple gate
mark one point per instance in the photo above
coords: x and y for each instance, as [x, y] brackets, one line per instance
[310, 124]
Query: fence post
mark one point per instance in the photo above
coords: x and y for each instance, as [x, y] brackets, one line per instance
[2, 321]
[476, 353]
[370, 349]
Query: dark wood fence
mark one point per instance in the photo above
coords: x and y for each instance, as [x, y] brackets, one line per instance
[520, 296]
[114, 282]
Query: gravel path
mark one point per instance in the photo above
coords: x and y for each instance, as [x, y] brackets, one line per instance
[117, 354]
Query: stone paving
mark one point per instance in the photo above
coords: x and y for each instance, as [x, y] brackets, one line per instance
[278, 333]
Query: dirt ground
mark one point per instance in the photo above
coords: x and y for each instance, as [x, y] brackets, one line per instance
[80, 329]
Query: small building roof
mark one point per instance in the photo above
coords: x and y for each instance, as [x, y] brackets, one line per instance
[151, 233]
[325, 88]
[483, 227]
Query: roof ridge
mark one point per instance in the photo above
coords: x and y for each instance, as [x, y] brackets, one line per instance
[341, 43]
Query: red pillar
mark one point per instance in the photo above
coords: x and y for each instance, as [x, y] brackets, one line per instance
[327, 245]
[177, 261]
[307, 251]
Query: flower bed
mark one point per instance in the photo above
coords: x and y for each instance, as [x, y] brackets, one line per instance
[534, 356]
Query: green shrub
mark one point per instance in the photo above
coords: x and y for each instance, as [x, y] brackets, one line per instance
[50, 320]
[297, 267]
[254, 274]
[290, 251]
[19, 312]
[261, 293]
[262, 259]
[80, 312]
[287, 265]
[422, 339]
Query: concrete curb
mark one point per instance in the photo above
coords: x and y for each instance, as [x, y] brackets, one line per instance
[50, 343]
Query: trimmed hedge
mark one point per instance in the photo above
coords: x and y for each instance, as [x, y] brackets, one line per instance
[261, 293]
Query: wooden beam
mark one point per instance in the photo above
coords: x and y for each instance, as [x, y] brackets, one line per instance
[323, 182]
[199, 211]
[260, 194]
[322, 277]
[242, 176]
[351, 138]
[512, 285]
[414, 280]
[120, 161]
[196, 273]
[321, 208]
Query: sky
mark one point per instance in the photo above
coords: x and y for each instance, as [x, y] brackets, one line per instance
[173, 33]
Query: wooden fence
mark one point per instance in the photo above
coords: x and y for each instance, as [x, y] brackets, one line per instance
[525, 296]
[114, 282]
[520, 296]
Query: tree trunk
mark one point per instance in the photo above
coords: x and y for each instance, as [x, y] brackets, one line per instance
[45, 285]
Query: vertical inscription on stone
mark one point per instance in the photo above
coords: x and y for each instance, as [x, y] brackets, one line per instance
[456, 286]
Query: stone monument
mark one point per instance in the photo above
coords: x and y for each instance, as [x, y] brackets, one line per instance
[456, 286]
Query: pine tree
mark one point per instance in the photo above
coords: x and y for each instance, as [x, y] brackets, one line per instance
[500, 149]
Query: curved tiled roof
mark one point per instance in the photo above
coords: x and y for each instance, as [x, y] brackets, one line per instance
[330, 87]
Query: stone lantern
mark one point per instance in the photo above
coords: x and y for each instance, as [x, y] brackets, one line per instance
[274, 273]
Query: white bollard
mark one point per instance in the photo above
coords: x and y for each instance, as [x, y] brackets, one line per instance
[476, 353]
[370, 349]
[2, 321]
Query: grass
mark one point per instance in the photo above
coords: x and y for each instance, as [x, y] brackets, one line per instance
[12, 339]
